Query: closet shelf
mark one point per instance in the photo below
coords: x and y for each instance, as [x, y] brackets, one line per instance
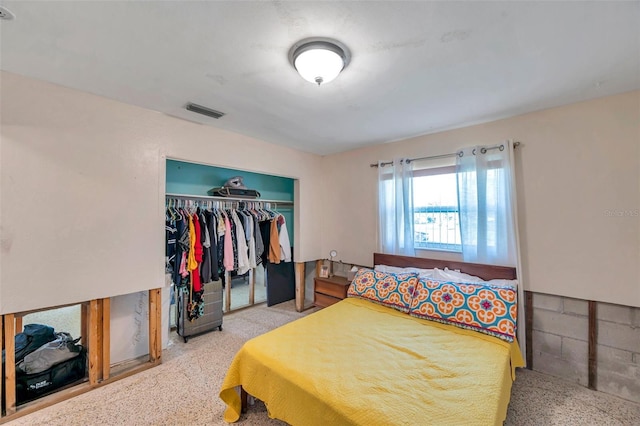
[209, 197]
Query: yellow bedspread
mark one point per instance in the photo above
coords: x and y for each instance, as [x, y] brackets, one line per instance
[364, 364]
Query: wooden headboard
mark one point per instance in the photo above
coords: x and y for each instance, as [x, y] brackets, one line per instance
[486, 272]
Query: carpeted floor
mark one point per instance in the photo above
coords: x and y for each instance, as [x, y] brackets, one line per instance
[184, 389]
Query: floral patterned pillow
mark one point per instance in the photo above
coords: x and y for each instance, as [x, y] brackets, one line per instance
[392, 290]
[488, 309]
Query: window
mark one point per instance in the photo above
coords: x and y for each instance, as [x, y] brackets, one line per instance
[435, 209]
[460, 204]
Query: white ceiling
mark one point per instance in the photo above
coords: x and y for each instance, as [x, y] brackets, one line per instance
[417, 67]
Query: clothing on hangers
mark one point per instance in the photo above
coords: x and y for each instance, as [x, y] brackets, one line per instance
[283, 239]
[228, 246]
[274, 243]
[206, 239]
[242, 249]
[205, 266]
[170, 232]
[213, 240]
[197, 254]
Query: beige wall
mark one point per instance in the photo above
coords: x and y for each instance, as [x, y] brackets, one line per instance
[82, 184]
[82, 191]
[578, 169]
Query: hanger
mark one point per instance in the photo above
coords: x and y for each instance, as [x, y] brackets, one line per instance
[176, 208]
[171, 210]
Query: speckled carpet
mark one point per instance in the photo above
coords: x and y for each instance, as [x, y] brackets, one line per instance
[184, 389]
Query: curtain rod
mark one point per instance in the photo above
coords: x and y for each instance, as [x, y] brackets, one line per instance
[453, 154]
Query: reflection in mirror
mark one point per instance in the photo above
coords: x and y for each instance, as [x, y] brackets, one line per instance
[260, 285]
[239, 290]
[246, 290]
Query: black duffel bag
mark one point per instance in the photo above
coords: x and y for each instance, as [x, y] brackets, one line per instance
[32, 386]
[233, 192]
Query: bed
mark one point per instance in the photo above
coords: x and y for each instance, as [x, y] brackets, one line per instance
[360, 362]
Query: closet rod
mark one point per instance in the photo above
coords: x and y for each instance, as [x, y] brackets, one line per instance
[435, 157]
[208, 197]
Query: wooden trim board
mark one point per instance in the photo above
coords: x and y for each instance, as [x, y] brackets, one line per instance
[155, 325]
[93, 350]
[106, 338]
[19, 323]
[9, 364]
[300, 285]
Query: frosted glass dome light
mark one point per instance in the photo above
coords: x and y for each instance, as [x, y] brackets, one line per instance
[319, 60]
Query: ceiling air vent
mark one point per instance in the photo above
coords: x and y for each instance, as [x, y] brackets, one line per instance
[204, 110]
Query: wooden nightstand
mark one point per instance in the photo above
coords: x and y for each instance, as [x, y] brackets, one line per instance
[328, 291]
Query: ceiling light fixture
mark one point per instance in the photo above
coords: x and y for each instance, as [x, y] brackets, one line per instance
[319, 60]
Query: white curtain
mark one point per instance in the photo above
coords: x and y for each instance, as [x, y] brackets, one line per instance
[395, 204]
[486, 197]
[489, 215]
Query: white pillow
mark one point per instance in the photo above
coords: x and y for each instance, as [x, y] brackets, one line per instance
[503, 283]
[422, 273]
[455, 276]
[460, 277]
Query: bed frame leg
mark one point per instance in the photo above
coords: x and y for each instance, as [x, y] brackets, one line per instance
[244, 396]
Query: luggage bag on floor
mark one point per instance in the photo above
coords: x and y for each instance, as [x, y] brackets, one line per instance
[211, 318]
[32, 386]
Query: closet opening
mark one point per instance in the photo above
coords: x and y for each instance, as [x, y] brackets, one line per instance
[243, 249]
